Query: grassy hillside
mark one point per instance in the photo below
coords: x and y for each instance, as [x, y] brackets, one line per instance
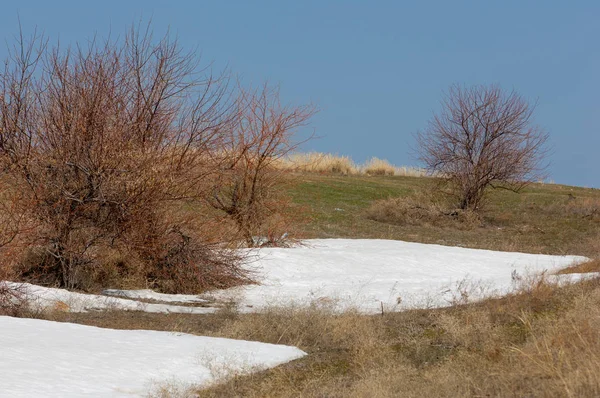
[544, 218]
[542, 341]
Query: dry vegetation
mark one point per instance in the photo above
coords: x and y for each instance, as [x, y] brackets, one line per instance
[246, 187]
[125, 163]
[543, 341]
[314, 162]
[326, 163]
[423, 209]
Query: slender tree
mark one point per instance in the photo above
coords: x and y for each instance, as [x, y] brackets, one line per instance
[247, 186]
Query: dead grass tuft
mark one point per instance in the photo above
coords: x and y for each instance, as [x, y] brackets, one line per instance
[326, 163]
[378, 167]
[422, 209]
[323, 163]
[589, 266]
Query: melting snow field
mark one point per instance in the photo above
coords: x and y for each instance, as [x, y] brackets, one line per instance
[51, 359]
[367, 274]
[64, 360]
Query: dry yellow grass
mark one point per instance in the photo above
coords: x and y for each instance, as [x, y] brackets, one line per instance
[589, 266]
[378, 167]
[542, 342]
[326, 163]
[314, 162]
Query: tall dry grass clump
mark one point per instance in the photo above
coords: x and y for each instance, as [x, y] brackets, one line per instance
[326, 163]
[378, 167]
[103, 147]
[322, 163]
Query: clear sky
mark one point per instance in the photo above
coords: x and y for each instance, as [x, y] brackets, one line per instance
[377, 69]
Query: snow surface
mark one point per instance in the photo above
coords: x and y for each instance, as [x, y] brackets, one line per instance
[364, 274]
[147, 294]
[42, 358]
[45, 297]
[52, 359]
[367, 274]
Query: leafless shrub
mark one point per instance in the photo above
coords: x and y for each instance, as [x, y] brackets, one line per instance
[483, 138]
[102, 142]
[422, 209]
[246, 188]
[588, 208]
[13, 299]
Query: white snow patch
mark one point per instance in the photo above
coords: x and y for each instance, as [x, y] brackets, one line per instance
[147, 294]
[364, 274]
[40, 297]
[52, 359]
[370, 274]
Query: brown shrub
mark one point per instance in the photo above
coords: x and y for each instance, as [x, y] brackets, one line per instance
[101, 145]
[247, 188]
[13, 301]
[421, 209]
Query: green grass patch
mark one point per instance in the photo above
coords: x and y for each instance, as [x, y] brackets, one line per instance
[543, 218]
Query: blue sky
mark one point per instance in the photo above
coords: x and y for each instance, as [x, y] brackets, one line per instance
[377, 69]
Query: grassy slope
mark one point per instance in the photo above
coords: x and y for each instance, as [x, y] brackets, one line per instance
[547, 219]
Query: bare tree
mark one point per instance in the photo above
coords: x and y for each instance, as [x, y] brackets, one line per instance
[101, 142]
[483, 137]
[246, 187]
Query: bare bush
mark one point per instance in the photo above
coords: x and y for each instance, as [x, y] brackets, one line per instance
[102, 142]
[246, 188]
[483, 137]
[422, 209]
